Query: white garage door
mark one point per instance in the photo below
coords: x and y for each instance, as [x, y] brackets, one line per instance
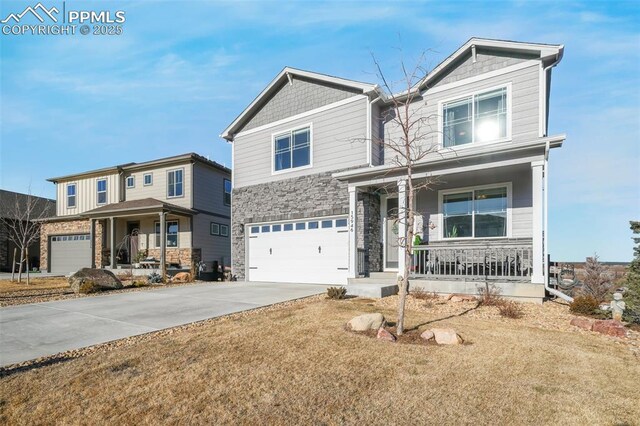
[70, 253]
[305, 251]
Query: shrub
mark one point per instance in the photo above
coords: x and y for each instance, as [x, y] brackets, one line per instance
[510, 309]
[597, 282]
[585, 305]
[88, 287]
[419, 293]
[489, 295]
[154, 278]
[336, 292]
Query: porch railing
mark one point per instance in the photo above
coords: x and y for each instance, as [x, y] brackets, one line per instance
[472, 261]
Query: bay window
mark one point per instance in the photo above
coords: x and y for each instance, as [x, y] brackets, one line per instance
[481, 117]
[475, 213]
[292, 149]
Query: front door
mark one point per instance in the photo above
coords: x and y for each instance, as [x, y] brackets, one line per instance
[133, 228]
[391, 234]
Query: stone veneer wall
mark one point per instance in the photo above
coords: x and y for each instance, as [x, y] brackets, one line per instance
[182, 256]
[80, 226]
[302, 197]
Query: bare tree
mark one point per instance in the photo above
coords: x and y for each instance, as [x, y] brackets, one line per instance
[22, 215]
[410, 141]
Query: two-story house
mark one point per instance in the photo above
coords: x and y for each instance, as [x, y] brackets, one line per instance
[318, 199]
[175, 210]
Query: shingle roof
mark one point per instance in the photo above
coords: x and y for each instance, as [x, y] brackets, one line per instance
[9, 200]
[151, 204]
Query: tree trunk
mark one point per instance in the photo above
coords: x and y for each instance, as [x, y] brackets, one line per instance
[13, 265]
[20, 267]
[27, 260]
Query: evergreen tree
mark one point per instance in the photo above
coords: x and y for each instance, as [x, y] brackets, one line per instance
[632, 282]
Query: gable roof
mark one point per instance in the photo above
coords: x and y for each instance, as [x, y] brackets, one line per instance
[545, 51]
[286, 74]
[12, 203]
[191, 156]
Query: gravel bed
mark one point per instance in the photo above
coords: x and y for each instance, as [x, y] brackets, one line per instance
[22, 297]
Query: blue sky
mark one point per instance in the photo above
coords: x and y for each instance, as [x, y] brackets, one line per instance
[181, 71]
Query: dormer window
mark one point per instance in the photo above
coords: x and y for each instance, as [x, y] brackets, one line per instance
[478, 118]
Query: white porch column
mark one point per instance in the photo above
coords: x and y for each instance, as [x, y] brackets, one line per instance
[112, 240]
[163, 244]
[402, 224]
[537, 176]
[353, 240]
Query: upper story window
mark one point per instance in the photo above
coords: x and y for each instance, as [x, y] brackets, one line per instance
[131, 181]
[101, 191]
[147, 179]
[475, 213]
[175, 183]
[227, 192]
[71, 195]
[292, 149]
[481, 117]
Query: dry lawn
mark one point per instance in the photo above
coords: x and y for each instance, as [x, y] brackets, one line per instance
[297, 365]
[38, 283]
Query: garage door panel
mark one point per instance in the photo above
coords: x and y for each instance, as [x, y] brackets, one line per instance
[304, 256]
[69, 253]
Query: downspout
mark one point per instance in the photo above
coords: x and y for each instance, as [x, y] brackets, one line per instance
[545, 224]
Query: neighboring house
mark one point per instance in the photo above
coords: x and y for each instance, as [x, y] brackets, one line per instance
[315, 195]
[13, 206]
[175, 209]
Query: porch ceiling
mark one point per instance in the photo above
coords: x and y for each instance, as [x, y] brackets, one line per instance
[144, 206]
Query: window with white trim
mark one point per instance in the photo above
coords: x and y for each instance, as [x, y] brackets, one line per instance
[171, 233]
[101, 191]
[292, 149]
[475, 213]
[175, 183]
[147, 179]
[131, 181]
[478, 118]
[71, 195]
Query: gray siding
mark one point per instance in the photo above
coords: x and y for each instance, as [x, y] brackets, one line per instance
[213, 247]
[208, 190]
[521, 203]
[338, 142]
[158, 189]
[377, 132]
[300, 96]
[486, 61]
[524, 108]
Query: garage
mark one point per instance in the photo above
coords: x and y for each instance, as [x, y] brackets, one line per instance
[68, 253]
[313, 251]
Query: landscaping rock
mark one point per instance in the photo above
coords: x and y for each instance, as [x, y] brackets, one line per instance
[461, 298]
[385, 335]
[446, 336]
[88, 280]
[366, 322]
[427, 335]
[181, 277]
[610, 328]
[584, 323]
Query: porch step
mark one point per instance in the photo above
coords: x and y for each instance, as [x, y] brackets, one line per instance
[375, 291]
[385, 281]
[383, 275]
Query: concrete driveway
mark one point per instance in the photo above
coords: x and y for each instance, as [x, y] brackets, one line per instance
[40, 329]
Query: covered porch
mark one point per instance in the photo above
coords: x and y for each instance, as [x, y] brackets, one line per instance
[146, 235]
[476, 223]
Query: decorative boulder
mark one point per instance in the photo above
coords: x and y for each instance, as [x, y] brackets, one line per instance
[88, 280]
[427, 335]
[584, 323]
[610, 328]
[446, 336]
[181, 277]
[385, 335]
[366, 322]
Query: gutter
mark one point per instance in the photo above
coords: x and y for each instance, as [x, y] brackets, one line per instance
[545, 221]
